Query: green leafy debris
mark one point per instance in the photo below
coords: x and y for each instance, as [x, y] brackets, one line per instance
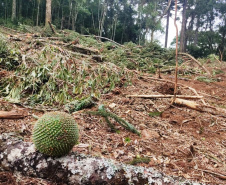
[106, 114]
[77, 105]
[155, 114]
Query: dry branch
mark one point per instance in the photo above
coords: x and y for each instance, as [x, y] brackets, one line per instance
[19, 156]
[197, 62]
[11, 115]
[104, 39]
[51, 26]
[201, 108]
[84, 50]
[221, 176]
[165, 96]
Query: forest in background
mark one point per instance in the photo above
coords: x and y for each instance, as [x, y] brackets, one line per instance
[203, 28]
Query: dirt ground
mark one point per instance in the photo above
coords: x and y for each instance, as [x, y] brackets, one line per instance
[179, 142]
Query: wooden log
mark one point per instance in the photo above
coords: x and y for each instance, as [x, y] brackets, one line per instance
[84, 50]
[19, 156]
[201, 108]
[11, 115]
[165, 96]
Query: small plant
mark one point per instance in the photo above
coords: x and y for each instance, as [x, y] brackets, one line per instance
[155, 114]
[205, 79]
[127, 139]
[106, 114]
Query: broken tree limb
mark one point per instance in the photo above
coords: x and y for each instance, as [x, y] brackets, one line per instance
[196, 61]
[165, 96]
[104, 39]
[19, 156]
[51, 26]
[201, 108]
[83, 50]
[11, 115]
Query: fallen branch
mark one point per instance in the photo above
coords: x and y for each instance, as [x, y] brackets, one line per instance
[104, 39]
[106, 114]
[165, 96]
[11, 115]
[164, 80]
[196, 61]
[19, 156]
[51, 26]
[220, 176]
[201, 108]
[83, 50]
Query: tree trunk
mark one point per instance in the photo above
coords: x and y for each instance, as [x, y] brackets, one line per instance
[152, 36]
[20, 9]
[183, 28]
[70, 10]
[13, 18]
[48, 12]
[167, 28]
[102, 17]
[19, 156]
[37, 18]
[197, 31]
[62, 19]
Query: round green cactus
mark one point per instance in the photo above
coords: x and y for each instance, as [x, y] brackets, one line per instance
[55, 133]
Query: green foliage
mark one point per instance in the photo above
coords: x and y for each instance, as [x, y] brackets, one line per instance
[106, 114]
[55, 134]
[49, 80]
[9, 58]
[3, 48]
[217, 72]
[127, 139]
[77, 105]
[205, 79]
[140, 58]
[155, 114]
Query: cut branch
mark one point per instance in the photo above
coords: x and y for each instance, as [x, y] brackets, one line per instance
[51, 26]
[196, 61]
[165, 96]
[19, 156]
[84, 50]
[104, 39]
[11, 115]
[201, 108]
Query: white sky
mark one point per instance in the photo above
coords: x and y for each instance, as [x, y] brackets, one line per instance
[172, 30]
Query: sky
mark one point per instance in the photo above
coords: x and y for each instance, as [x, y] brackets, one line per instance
[172, 30]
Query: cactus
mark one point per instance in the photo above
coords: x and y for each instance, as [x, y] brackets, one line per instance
[55, 134]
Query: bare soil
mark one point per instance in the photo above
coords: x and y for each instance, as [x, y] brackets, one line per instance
[180, 142]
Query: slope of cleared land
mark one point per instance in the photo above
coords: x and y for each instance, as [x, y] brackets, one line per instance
[40, 73]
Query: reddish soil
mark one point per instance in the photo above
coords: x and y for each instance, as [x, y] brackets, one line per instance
[180, 142]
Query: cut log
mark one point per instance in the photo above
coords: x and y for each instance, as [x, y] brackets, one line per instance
[165, 96]
[11, 115]
[19, 156]
[84, 50]
[201, 108]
